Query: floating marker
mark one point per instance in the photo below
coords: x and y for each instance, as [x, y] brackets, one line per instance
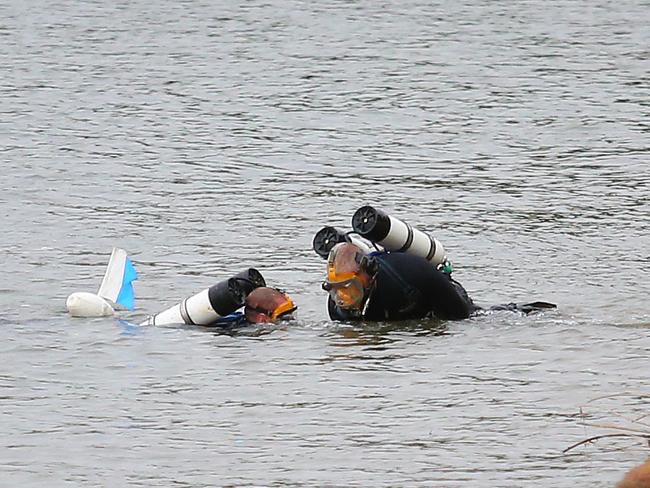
[116, 290]
[117, 285]
[84, 304]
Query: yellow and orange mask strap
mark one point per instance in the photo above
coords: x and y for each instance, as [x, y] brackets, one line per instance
[284, 308]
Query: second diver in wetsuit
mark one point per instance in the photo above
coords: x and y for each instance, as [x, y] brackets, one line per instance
[262, 305]
[218, 305]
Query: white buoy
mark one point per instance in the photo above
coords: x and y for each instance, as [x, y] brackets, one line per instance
[84, 304]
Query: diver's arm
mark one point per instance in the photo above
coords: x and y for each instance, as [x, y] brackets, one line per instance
[446, 298]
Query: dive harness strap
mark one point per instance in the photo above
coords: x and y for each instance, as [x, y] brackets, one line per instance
[411, 294]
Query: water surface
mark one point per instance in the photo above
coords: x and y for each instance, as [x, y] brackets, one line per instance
[208, 137]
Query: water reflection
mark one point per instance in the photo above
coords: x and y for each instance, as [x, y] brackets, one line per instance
[386, 332]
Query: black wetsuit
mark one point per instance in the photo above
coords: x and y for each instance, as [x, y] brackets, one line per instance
[409, 287]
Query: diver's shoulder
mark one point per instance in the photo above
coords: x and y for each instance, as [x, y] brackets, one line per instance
[402, 259]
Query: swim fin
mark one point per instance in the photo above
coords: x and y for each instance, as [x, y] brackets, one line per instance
[525, 308]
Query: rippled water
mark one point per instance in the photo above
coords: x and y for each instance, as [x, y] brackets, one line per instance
[206, 137]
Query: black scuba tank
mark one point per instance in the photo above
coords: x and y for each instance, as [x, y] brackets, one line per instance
[328, 237]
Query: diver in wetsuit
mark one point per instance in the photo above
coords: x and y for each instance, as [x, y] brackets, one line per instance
[407, 276]
[397, 286]
[390, 286]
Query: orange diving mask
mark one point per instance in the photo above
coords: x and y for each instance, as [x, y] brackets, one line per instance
[284, 308]
[347, 281]
[347, 294]
[268, 305]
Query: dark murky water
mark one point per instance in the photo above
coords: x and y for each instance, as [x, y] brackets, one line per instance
[205, 137]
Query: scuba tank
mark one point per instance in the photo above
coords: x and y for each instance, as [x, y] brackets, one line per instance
[396, 235]
[328, 237]
[250, 279]
[210, 304]
[325, 239]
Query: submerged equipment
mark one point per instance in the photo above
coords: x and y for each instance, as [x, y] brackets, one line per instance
[115, 292]
[212, 303]
[396, 235]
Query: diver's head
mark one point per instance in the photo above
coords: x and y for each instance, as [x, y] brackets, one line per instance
[267, 305]
[350, 276]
